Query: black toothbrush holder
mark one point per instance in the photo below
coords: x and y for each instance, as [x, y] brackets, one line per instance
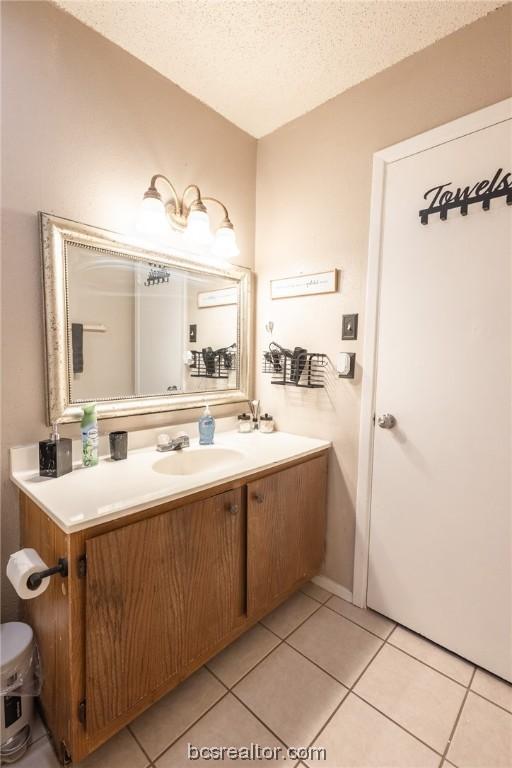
[118, 445]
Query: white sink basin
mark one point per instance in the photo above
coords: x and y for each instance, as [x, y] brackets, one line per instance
[192, 461]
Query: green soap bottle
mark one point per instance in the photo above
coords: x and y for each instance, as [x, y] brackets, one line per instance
[89, 432]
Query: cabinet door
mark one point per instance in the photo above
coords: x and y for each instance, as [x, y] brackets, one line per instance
[286, 515]
[160, 592]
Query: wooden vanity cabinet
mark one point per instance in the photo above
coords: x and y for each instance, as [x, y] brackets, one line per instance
[160, 593]
[284, 539]
[151, 596]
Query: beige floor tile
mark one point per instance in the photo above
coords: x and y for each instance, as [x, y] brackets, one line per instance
[39, 755]
[493, 688]
[415, 696]
[337, 645]
[242, 655]
[290, 614]
[170, 717]
[360, 737]
[316, 592]
[121, 751]
[292, 696]
[483, 737]
[370, 620]
[432, 654]
[228, 724]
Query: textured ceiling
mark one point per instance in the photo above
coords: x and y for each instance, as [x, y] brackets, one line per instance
[261, 63]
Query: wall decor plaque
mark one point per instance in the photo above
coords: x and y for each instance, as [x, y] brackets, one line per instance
[218, 298]
[304, 285]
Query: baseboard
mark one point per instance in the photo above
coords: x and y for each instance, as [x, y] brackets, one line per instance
[334, 587]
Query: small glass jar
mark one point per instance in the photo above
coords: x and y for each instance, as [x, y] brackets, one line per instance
[266, 423]
[244, 423]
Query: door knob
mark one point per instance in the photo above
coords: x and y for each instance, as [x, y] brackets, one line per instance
[386, 421]
[258, 497]
[233, 509]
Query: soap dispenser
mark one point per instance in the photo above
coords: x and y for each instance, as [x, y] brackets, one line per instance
[55, 455]
[206, 427]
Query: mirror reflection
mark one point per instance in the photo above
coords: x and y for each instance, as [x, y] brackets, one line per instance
[138, 328]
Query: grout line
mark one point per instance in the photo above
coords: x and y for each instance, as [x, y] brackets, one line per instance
[189, 727]
[434, 669]
[349, 690]
[316, 598]
[129, 729]
[274, 647]
[246, 706]
[452, 732]
[325, 671]
[320, 605]
[399, 725]
[384, 639]
[500, 706]
[235, 695]
[388, 640]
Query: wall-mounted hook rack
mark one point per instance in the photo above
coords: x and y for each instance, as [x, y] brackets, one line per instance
[482, 192]
[157, 275]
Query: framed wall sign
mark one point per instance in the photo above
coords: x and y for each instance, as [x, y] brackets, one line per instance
[304, 285]
[218, 298]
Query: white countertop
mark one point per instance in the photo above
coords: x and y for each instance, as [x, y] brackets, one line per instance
[114, 489]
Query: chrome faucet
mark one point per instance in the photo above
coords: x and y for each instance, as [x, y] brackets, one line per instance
[165, 443]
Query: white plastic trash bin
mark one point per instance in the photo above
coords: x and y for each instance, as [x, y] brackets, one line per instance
[19, 683]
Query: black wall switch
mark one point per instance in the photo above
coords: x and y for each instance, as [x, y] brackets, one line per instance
[192, 333]
[349, 327]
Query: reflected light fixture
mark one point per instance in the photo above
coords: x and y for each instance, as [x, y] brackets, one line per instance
[187, 214]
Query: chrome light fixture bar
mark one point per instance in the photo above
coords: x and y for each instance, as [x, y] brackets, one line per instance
[187, 214]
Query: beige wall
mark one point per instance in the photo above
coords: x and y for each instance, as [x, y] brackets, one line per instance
[313, 195]
[85, 125]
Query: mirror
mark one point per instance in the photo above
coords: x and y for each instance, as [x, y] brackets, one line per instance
[136, 330]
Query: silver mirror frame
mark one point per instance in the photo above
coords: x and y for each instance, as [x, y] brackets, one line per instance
[56, 234]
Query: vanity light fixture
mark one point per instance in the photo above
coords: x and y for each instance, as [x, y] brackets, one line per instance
[191, 218]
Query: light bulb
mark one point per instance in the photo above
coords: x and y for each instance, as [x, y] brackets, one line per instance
[152, 219]
[198, 228]
[225, 246]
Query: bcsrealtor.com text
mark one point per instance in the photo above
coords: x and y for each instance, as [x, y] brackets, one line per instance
[253, 752]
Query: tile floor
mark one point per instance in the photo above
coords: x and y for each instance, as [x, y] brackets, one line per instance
[320, 672]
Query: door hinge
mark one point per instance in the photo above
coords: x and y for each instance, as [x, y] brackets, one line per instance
[65, 754]
[82, 566]
[82, 711]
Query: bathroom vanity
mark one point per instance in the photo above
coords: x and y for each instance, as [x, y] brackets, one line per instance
[170, 559]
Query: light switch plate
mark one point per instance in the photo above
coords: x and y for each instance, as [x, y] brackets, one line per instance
[349, 327]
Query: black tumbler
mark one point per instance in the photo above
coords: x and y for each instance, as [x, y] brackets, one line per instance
[118, 445]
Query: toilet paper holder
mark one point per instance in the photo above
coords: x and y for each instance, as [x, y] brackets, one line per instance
[35, 579]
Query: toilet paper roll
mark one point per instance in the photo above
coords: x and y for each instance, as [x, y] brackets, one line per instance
[21, 565]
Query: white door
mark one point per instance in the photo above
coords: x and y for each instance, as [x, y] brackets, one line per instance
[159, 335]
[440, 526]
